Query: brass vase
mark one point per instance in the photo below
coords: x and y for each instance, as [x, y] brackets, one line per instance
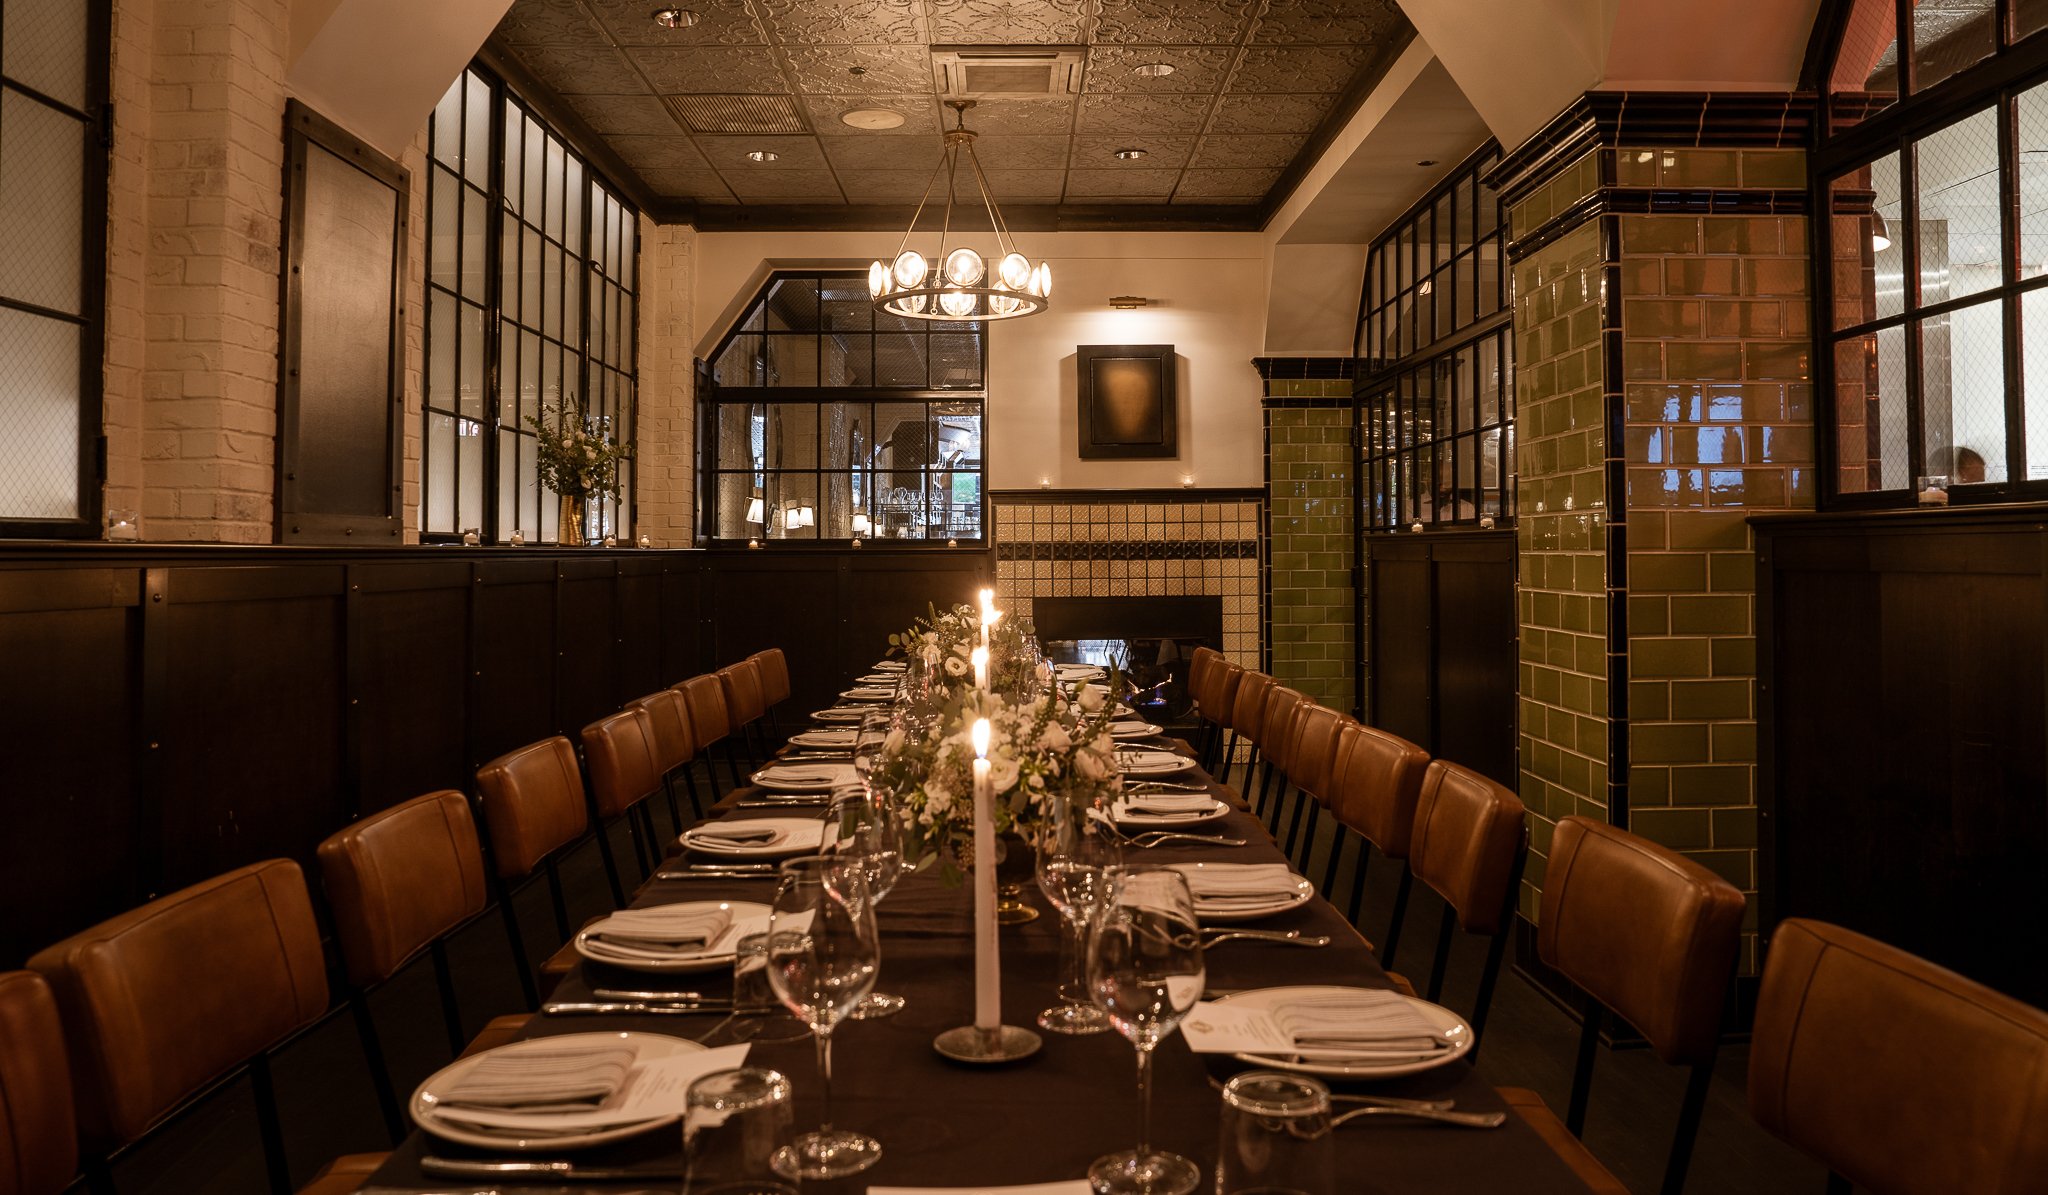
[569, 527]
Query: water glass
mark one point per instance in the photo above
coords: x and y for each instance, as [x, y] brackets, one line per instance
[753, 998]
[736, 1126]
[1276, 1136]
[822, 958]
[865, 833]
[1075, 852]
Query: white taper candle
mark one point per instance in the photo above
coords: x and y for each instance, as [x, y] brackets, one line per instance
[988, 1009]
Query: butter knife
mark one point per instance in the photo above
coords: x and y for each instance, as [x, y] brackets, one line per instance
[521, 1171]
[635, 1007]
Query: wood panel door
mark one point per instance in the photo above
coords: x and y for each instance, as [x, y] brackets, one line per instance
[1441, 630]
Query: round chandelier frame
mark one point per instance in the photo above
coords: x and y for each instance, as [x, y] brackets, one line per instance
[959, 285]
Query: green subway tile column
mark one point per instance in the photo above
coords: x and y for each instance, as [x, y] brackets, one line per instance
[1311, 507]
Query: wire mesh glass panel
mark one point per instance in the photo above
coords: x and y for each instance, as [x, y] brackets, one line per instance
[740, 439]
[42, 172]
[438, 510]
[44, 46]
[792, 361]
[2031, 133]
[1866, 243]
[956, 360]
[1949, 35]
[900, 360]
[1960, 233]
[792, 436]
[1962, 395]
[740, 363]
[39, 407]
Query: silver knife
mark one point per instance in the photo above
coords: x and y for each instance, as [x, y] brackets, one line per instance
[635, 1007]
[655, 997]
[466, 1168]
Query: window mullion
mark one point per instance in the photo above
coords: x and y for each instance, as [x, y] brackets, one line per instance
[1909, 215]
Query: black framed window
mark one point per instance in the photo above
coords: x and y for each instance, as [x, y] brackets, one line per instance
[1933, 177]
[531, 293]
[53, 197]
[1436, 398]
[828, 420]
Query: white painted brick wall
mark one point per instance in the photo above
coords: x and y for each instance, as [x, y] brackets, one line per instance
[667, 432]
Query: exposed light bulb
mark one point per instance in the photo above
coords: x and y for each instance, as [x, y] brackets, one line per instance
[956, 302]
[964, 267]
[878, 280]
[1015, 271]
[911, 268]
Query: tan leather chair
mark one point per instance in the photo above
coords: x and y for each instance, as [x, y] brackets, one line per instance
[774, 677]
[1276, 733]
[674, 747]
[1378, 784]
[38, 1133]
[1650, 936]
[1897, 1075]
[1247, 718]
[1223, 682]
[745, 705]
[162, 1002]
[710, 724]
[1205, 671]
[534, 810]
[398, 883]
[1469, 847]
[1310, 758]
[625, 774]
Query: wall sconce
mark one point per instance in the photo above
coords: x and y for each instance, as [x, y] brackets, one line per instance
[806, 516]
[792, 519]
[861, 524]
[755, 511]
[1127, 302]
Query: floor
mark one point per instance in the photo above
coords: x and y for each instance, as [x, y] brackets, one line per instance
[328, 1108]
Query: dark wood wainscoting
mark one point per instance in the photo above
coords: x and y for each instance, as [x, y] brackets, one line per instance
[170, 713]
[1441, 633]
[1903, 732]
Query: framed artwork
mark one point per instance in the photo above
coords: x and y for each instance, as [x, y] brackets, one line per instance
[1128, 406]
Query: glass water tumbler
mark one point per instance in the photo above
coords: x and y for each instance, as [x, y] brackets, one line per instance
[1276, 1137]
[736, 1123]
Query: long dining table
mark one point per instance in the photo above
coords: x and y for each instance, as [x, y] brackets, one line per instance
[1045, 1118]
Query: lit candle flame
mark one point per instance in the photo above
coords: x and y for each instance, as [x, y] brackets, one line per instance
[981, 738]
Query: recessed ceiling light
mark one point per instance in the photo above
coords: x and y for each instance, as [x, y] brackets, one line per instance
[674, 18]
[1153, 70]
[762, 155]
[872, 118]
[1130, 155]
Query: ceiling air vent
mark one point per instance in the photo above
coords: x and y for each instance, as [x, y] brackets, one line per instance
[1006, 72]
[737, 114]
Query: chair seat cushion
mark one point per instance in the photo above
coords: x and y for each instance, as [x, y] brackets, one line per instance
[498, 1031]
[1569, 1149]
[344, 1174]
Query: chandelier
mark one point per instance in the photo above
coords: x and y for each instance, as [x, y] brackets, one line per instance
[958, 285]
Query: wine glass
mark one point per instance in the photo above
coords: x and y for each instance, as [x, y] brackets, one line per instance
[822, 957]
[1075, 853]
[869, 836]
[1145, 969]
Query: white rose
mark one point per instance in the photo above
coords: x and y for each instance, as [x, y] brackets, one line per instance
[1090, 765]
[955, 666]
[1090, 698]
[936, 799]
[894, 743]
[962, 650]
[1002, 774]
[1054, 738]
[1104, 745]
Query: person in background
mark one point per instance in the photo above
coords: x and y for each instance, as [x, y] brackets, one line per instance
[1966, 466]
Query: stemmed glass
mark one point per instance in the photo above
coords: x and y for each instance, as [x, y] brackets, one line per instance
[1145, 969]
[822, 957]
[869, 836]
[1075, 853]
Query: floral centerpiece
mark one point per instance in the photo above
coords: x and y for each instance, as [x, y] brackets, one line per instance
[578, 458]
[1042, 751]
[941, 647]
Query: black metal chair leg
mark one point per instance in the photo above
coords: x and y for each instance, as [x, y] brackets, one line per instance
[696, 803]
[1229, 750]
[650, 841]
[451, 1008]
[611, 873]
[380, 1070]
[732, 763]
[556, 899]
[520, 963]
[1399, 915]
[99, 1179]
[1265, 782]
[675, 811]
[1301, 800]
[275, 1164]
[1688, 1127]
[1582, 1070]
[1837, 1185]
[1495, 949]
[1308, 836]
[1444, 930]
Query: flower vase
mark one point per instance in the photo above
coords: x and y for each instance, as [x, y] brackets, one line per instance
[1016, 864]
[569, 530]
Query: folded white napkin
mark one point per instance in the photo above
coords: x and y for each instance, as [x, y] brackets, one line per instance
[1168, 803]
[1150, 761]
[1226, 884]
[1367, 1021]
[664, 929]
[809, 773]
[574, 1078]
[825, 738]
[739, 833]
[890, 666]
[839, 713]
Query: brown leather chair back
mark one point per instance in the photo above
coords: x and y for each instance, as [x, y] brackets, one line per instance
[674, 745]
[38, 1134]
[1277, 723]
[1377, 787]
[163, 999]
[704, 702]
[1203, 667]
[624, 770]
[1644, 930]
[742, 684]
[1314, 751]
[1248, 708]
[1896, 1074]
[1468, 831]
[399, 879]
[774, 675]
[1223, 683]
[532, 803]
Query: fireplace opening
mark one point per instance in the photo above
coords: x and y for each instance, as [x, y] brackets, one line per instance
[1151, 639]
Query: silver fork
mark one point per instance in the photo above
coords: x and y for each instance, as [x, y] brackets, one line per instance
[1162, 837]
[1292, 937]
[1470, 1120]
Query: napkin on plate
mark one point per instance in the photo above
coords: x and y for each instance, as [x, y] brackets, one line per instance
[1224, 885]
[663, 931]
[570, 1078]
[740, 833]
[825, 738]
[1167, 804]
[807, 773]
[1369, 1021]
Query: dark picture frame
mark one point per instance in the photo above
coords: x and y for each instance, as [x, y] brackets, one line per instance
[1129, 405]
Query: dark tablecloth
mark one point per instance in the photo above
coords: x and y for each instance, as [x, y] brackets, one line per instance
[1046, 1118]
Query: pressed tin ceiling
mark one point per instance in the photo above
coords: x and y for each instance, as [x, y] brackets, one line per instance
[1257, 89]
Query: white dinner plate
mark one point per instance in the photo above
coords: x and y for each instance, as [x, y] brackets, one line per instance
[715, 956]
[1240, 911]
[1127, 816]
[841, 715]
[1445, 1021]
[890, 666]
[1144, 761]
[648, 1045]
[802, 836]
[1134, 730]
[809, 776]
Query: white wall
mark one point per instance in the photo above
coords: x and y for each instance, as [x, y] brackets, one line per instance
[1209, 296]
